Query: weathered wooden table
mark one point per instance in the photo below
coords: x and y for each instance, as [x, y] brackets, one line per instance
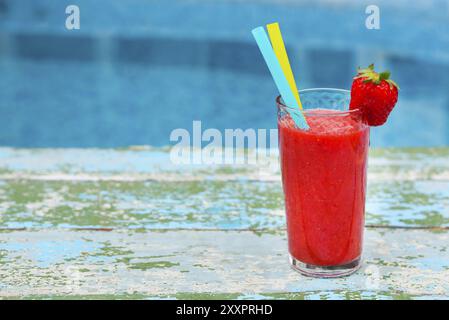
[129, 224]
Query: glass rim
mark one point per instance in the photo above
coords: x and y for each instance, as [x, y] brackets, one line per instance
[332, 112]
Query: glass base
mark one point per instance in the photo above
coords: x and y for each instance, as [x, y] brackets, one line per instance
[311, 270]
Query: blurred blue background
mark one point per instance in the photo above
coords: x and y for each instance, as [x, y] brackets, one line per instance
[138, 69]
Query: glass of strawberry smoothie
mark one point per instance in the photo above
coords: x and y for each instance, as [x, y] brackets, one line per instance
[324, 181]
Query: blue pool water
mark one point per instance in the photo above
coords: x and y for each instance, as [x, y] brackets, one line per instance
[137, 70]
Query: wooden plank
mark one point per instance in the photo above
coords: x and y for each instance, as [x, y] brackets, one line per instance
[146, 163]
[196, 231]
[227, 264]
[140, 188]
[200, 204]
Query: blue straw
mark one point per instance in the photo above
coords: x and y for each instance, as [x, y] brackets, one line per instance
[278, 76]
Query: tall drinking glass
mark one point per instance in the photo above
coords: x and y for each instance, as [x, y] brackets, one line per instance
[324, 182]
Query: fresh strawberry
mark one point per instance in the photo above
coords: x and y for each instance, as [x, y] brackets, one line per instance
[374, 94]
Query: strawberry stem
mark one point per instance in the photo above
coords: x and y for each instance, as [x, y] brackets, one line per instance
[369, 75]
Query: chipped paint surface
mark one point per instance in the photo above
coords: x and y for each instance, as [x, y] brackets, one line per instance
[199, 204]
[205, 231]
[147, 163]
[413, 263]
[140, 188]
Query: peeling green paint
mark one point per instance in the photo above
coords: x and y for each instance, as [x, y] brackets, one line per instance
[152, 265]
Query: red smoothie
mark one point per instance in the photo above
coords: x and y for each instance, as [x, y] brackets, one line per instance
[324, 180]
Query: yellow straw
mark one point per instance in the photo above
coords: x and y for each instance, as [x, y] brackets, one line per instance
[279, 49]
